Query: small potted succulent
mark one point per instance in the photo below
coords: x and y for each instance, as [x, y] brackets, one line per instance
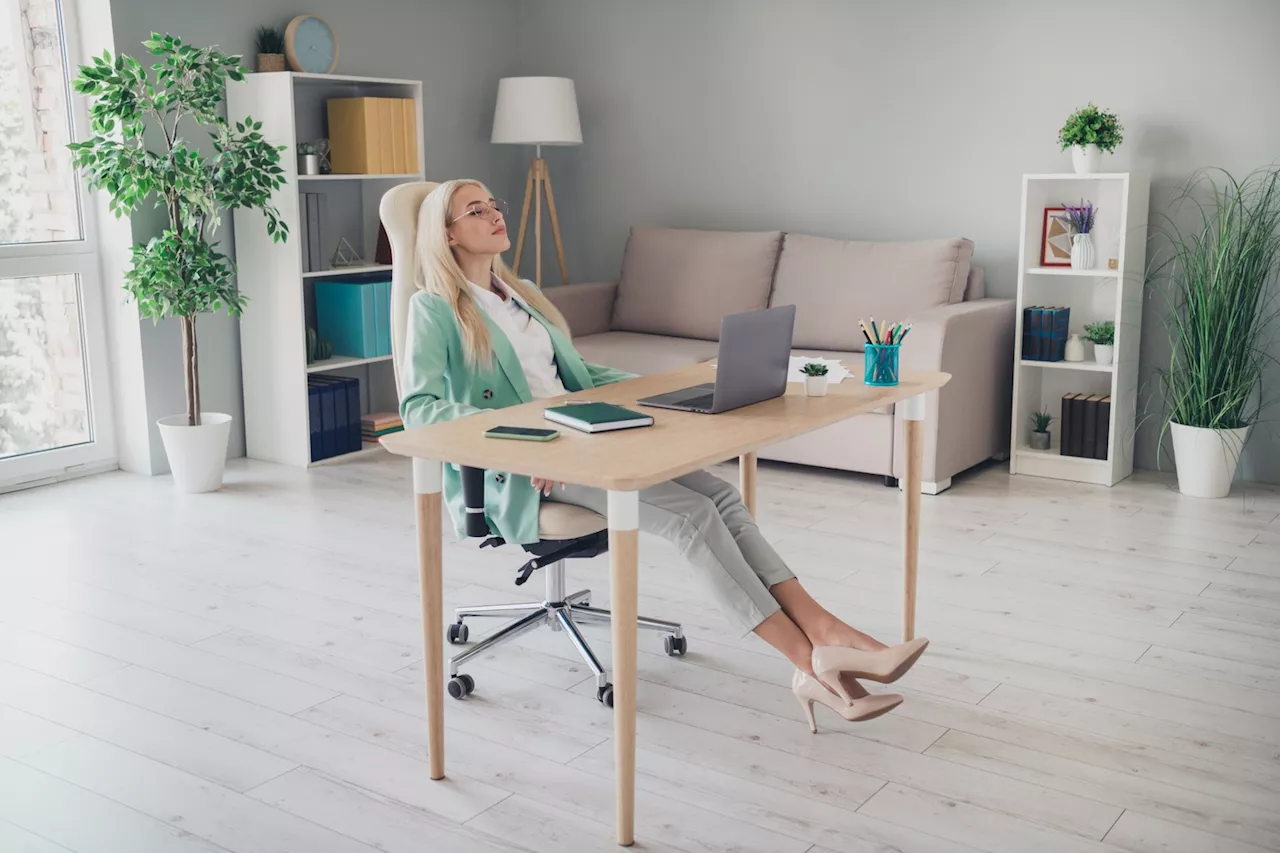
[1040, 430]
[815, 379]
[1103, 336]
[1079, 219]
[1088, 132]
[270, 43]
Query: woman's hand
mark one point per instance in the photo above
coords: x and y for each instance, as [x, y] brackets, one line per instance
[542, 485]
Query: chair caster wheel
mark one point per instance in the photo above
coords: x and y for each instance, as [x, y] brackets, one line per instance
[605, 695]
[675, 646]
[458, 633]
[461, 686]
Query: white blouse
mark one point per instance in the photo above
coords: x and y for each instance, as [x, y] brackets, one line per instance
[529, 338]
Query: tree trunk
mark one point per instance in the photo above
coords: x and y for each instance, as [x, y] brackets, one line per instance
[191, 368]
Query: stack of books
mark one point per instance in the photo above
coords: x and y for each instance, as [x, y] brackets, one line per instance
[334, 414]
[1044, 333]
[1086, 423]
[374, 426]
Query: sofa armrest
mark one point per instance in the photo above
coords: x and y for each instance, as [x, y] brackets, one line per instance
[967, 420]
[588, 308]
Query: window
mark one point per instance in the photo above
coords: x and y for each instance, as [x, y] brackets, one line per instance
[53, 407]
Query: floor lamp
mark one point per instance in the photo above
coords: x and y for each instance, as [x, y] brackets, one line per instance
[537, 111]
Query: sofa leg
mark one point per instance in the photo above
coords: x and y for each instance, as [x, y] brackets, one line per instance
[929, 488]
[890, 482]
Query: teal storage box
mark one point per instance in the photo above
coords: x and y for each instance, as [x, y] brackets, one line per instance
[354, 316]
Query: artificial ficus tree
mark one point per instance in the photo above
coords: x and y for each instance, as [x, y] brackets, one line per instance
[179, 273]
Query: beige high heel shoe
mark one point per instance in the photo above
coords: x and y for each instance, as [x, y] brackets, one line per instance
[885, 666]
[809, 690]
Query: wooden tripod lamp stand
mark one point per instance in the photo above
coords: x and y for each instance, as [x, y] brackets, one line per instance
[537, 111]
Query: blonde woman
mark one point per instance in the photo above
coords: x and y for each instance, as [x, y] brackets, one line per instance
[481, 338]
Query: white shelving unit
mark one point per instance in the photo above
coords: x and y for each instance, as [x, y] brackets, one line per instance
[1120, 232]
[281, 305]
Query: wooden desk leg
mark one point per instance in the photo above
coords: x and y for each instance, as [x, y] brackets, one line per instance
[624, 523]
[426, 488]
[913, 426]
[747, 481]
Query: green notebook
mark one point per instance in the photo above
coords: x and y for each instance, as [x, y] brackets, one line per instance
[597, 417]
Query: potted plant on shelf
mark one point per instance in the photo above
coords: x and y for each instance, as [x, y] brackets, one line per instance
[1103, 336]
[1221, 285]
[270, 42]
[815, 379]
[1088, 132]
[1079, 219]
[179, 273]
[1040, 430]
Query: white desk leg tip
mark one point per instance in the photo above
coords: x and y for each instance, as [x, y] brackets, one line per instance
[427, 474]
[913, 408]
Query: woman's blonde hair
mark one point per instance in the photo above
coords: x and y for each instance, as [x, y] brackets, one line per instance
[439, 273]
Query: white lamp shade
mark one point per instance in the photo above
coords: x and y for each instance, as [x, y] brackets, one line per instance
[536, 111]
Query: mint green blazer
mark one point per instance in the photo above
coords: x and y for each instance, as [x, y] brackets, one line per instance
[437, 384]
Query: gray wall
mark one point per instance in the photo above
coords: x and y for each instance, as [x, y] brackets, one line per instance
[895, 121]
[458, 49]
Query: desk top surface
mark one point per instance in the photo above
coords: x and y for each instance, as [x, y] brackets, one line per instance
[633, 459]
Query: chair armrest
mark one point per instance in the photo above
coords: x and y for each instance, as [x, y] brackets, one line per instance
[588, 308]
[967, 420]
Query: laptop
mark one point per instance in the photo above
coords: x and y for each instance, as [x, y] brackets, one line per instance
[755, 352]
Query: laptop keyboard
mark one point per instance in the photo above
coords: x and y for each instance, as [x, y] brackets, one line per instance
[703, 402]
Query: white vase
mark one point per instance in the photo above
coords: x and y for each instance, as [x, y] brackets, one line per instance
[197, 455]
[815, 386]
[1082, 254]
[1075, 349]
[1206, 459]
[1103, 353]
[1086, 159]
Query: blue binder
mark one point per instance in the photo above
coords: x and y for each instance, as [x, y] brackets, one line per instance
[382, 316]
[339, 414]
[346, 314]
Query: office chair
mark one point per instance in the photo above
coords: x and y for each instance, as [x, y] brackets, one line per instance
[565, 532]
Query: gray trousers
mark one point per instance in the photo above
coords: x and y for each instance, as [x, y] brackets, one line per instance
[705, 518]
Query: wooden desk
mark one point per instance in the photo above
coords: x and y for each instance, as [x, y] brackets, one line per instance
[623, 463]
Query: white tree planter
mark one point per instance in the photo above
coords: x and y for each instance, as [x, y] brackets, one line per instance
[197, 455]
[1086, 159]
[1206, 459]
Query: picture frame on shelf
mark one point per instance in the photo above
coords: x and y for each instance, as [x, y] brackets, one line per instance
[1055, 239]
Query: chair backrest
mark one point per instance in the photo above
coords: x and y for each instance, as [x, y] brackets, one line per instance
[399, 213]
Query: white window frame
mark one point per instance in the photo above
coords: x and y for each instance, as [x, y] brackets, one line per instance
[81, 258]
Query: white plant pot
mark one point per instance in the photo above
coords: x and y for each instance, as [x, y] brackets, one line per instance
[1206, 459]
[197, 455]
[1086, 159]
[815, 386]
[1082, 254]
[1103, 353]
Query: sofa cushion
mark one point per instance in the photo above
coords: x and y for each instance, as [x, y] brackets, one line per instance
[643, 354]
[833, 283]
[682, 282]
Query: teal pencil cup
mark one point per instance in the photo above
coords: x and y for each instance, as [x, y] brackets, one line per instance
[880, 364]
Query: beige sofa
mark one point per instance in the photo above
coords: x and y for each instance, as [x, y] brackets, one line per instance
[676, 285]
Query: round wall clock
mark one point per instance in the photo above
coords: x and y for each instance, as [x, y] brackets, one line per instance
[310, 45]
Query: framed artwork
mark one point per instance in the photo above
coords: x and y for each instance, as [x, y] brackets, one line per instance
[1055, 239]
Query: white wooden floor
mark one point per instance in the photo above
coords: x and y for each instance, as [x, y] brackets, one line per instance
[241, 672]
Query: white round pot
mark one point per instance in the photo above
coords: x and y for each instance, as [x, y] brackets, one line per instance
[1206, 459]
[1086, 159]
[1082, 254]
[815, 386]
[197, 455]
[1103, 353]
[1074, 349]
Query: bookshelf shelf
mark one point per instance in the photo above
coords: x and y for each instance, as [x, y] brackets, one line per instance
[273, 335]
[1069, 365]
[1068, 271]
[1092, 295]
[364, 270]
[340, 361]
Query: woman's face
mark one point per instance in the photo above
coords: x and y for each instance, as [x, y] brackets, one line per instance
[477, 225]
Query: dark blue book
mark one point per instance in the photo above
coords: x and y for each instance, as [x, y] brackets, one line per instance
[342, 417]
[313, 420]
[1061, 325]
[1026, 333]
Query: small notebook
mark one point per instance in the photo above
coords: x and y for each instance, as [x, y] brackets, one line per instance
[597, 417]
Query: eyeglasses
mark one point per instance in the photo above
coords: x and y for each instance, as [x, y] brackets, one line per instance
[483, 209]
